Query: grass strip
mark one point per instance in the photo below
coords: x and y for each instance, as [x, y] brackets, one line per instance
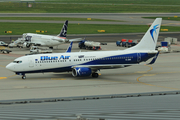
[157, 2]
[54, 19]
[38, 7]
[165, 18]
[54, 28]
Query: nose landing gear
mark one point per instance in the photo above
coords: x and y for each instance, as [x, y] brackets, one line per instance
[23, 76]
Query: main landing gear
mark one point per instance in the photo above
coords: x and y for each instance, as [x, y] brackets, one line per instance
[95, 75]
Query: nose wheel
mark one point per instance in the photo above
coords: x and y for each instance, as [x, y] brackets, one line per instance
[24, 77]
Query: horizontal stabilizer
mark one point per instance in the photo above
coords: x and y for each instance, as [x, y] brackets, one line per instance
[154, 59]
[70, 47]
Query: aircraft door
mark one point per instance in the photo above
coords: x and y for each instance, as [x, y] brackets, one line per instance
[31, 63]
[138, 57]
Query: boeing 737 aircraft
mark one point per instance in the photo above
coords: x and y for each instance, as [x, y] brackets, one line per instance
[47, 40]
[88, 63]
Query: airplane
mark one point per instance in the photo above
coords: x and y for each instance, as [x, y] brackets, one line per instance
[32, 39]
[88, 63]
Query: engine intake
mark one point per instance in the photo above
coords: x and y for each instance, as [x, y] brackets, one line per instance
[81, 71]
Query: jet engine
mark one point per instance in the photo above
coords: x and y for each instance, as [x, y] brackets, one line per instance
[81, 71]
[26, 45]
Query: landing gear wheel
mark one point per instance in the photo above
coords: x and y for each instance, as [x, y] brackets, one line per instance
[95, 75]
[24, 77]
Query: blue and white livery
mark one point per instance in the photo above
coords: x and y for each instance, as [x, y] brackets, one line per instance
[88, 63]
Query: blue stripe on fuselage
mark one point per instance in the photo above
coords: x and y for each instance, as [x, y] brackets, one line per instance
[120, 59]
[60, 69]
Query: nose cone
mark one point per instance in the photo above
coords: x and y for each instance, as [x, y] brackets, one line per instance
[10, 67]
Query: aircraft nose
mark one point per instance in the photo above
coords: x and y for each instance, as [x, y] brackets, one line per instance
[10, 67]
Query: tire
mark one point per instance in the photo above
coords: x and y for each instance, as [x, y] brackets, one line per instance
[95, 75]
[23, 77]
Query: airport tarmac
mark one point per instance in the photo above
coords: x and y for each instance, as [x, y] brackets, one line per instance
[162, 76]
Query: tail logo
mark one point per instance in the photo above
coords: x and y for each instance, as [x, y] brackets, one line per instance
[64, 31]
[154, 30]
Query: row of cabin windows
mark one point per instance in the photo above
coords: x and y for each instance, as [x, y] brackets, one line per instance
[46, 61]
[111, 58]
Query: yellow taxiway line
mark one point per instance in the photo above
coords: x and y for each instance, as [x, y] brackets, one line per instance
[154, 75]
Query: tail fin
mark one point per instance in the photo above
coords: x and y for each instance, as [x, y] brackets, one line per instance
[149, 40]
[63, 30]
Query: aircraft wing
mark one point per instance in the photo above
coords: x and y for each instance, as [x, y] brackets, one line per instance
[108, 66]
[37, 43]
[75, 40]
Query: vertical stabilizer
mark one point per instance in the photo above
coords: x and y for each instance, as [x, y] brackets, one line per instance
[63, 30]
[149, 40]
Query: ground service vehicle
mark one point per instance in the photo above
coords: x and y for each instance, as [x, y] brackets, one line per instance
[89, 45]
[126, 43]
[4, 50]
[3, 44]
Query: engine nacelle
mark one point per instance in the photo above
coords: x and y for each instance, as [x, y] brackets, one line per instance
[81, 71]
[26, 45]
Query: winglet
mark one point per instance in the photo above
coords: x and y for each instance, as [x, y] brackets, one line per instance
[69, 48]
[154, 59]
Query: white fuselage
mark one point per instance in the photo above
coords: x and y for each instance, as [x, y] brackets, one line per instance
[61, 62]
[44, 40]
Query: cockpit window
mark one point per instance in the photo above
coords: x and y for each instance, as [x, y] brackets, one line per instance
[17, 61]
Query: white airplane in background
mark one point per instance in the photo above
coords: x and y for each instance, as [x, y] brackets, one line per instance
[32, 39]
[88, 63]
